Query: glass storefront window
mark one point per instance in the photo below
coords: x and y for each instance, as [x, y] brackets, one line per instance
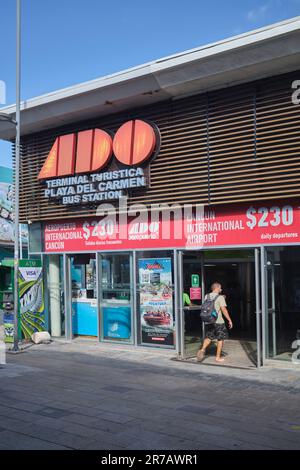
[35, 237]
[55, 295]
[115, 277]
[192, 265]
[116, 297]
[282, 325]
[155, 298]
[84, 295]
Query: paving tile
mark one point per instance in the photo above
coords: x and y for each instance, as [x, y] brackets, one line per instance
[116, 417]
[117, 388]
[13, 441]
[196, 409]
[80, 419]
[150, 439]
[53, 412]
[50, 423]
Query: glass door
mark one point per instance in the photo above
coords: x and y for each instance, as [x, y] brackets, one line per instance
[191, 289]
[272, 310]
[281, 318]
[238, 272]
[54, 294]
[84, 295]
[116, 297]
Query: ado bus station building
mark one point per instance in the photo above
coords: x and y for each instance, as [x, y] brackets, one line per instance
[157, 181]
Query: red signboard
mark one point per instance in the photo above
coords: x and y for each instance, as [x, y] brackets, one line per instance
[133, 144]
[252, 224]
[195, 293]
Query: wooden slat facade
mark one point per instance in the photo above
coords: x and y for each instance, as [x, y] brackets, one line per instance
[233, 145]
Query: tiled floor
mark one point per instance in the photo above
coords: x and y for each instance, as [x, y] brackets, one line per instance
[237, 353]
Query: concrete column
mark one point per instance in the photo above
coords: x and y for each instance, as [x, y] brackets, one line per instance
[54, 295]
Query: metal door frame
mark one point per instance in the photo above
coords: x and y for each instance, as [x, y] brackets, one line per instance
[179, 298]
[68, 296]
[180, 316]
[260, 296]
[258, 306]
[68, 293]
[132, 290]
[266, 310]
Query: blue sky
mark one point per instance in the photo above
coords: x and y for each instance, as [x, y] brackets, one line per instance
[69, 41]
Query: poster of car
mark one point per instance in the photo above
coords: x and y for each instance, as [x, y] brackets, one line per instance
[156, 301]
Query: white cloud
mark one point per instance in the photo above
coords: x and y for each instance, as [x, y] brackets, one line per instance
[258, 13]
[266, 9]
[236, 31]
[2, 92]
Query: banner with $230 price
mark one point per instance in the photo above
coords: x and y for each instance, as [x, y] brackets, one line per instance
[249, 224]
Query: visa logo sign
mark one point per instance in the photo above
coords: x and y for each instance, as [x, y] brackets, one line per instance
[30, 273]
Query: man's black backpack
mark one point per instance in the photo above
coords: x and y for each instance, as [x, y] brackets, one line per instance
[208, 312]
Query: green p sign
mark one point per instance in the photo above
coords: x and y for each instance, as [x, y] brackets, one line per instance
[195, 280]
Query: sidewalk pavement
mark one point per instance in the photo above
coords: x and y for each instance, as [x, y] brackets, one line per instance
[87, 395]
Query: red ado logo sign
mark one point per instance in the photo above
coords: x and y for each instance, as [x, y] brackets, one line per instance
[91, 150]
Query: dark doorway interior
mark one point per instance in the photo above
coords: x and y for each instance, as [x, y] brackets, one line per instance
[235, 270]
[238, 283]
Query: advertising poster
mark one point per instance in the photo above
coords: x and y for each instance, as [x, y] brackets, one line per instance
[8, 323]
[6, 213]
[7, 232]
[156, 301]
[117, 322]
[31, 297]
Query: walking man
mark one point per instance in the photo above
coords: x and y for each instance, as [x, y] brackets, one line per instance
[216, 331]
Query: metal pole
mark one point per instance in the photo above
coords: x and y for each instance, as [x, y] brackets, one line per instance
[273, 309]
[21, 244]
[202, 287]
[175, 295]
[182, 351]
[134, 307]
[264, 303]
[258, 307]
[17, 177]
[98, 287]
[68, 297]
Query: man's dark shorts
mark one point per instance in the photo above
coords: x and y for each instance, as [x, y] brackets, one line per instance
[216, 331]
